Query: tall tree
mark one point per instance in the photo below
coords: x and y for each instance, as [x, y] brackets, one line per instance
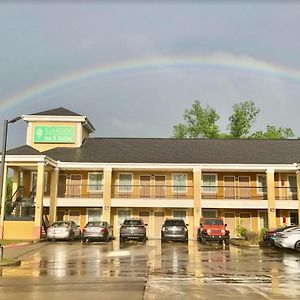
[273, 133]
[242, 118]
[200, 123]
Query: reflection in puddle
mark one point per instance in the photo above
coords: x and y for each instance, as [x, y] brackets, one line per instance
[269, 270]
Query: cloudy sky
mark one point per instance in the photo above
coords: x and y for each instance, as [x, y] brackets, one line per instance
[80, 55]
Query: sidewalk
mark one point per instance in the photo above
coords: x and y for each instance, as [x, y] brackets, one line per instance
[21, 249]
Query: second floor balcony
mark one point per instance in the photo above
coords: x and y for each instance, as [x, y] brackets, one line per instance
[220, 192]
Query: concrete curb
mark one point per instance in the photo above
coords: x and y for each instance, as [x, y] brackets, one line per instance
[234, 243]
[10, 262]
[23, 244]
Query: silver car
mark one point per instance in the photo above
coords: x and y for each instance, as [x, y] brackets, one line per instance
[63, 230]
[97, 231]
[288, 239]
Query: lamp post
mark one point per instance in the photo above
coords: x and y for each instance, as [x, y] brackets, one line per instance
[4, 140]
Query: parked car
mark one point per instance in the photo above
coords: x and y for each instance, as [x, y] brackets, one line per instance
[63, 230]
[174, 230]
[97, 231]
[213, 229]
[289, 238]
[269, 236]
[134, 229]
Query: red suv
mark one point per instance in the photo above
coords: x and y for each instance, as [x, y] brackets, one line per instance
[212, 229]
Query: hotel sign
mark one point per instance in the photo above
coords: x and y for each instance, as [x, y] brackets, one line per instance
[54, 134]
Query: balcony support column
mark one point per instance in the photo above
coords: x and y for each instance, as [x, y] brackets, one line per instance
[40, 185]
[16, 183]
[298, 194]
[53, 195]
[271, 198]
[107, 179]
[4, 190]
[197, 173]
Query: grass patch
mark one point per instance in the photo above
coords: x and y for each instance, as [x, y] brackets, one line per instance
[9, 262]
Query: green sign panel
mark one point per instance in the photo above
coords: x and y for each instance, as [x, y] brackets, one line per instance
[54, 134]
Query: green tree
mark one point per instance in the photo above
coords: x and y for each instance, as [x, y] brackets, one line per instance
[243, 116]
[273, 133]
[200, 123]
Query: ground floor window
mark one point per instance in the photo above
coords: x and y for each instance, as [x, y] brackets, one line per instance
[122, 215]
[263, 219]
[94, 214]
[179, 214]
[209, 213]
[294, 219]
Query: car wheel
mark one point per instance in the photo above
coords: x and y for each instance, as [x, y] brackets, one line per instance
[72, 236]
[297, 246]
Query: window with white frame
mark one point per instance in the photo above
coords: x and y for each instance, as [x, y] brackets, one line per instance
[209, 183]
[262, 184]
[95, 182]
[179, 214]
[179, 182]
[94, 214]
[292, 184]
[125, 182]
[34, 181]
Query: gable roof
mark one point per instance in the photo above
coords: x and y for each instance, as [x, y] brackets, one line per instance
[181, 151]
[60, 111]
[23, 150]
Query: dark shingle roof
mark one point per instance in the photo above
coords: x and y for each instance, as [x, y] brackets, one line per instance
[60, 111]
[218, 151]
[23, 150]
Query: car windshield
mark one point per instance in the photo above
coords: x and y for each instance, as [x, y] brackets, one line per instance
[133, 222]
[95, 224]
[174, 223]
[60, 224]
[213, 222]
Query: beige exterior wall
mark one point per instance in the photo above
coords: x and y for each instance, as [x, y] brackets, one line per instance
[16, 230]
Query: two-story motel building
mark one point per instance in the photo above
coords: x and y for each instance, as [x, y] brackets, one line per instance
[64, 174]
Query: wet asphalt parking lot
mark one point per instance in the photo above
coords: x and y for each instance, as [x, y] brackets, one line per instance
[151, 270]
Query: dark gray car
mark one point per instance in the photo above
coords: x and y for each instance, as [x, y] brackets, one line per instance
[174, 230]
[134, 229]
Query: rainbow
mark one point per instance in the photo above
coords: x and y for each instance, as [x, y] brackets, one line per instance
[226, 61]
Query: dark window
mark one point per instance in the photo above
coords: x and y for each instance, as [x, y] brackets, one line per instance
[174, 223]
[133, 222]
[213, 222]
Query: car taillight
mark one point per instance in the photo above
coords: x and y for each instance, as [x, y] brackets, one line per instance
[185, 229]
[103, 230]
[123, 227]
[163, 229]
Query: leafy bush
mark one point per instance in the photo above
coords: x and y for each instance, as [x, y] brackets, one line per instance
[241, 231]
[262, 232]
[252, 237]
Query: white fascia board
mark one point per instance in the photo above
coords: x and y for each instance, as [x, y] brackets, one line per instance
[40, 118]
[30, 158]
[179, 167]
